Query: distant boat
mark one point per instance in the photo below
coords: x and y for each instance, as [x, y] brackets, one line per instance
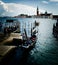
[36, 23]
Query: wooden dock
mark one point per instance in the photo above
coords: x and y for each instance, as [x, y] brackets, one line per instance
[11, 37]
[4, 50]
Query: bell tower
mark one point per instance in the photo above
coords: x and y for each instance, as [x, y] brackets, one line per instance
[37, 11]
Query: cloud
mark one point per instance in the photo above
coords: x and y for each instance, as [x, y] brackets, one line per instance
[3, 7]
[15, 9]
[54, 0]
[21, 9]
[45, 2]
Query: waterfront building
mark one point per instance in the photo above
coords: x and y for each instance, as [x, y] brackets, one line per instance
[22, 16]
[55, 16]
[46, 15]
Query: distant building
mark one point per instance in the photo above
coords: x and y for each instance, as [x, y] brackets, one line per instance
[46, 15]
[42, 15]
[55, 16]
[37, 11]
[22, 16]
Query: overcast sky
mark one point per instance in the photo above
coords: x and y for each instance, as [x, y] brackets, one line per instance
[15, 7]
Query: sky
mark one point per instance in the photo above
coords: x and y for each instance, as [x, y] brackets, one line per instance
[16, 7]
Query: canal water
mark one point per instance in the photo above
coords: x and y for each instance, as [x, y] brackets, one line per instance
[46, 48]
[45, 51]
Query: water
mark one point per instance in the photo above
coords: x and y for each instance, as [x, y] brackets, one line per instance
[46, 48]
[45, 51]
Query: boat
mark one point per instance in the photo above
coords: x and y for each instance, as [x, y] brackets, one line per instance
[29, 42]
[11, 25]
[55, 29]
[36, 23]
[23, 40]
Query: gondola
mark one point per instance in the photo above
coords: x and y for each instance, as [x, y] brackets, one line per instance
[29, 42]
[55, 29]
[24, 41]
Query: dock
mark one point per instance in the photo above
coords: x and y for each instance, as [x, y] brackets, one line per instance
[4, 50]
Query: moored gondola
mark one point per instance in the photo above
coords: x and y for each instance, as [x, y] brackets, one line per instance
[24, 41]
[29, 42]
[55, 29]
